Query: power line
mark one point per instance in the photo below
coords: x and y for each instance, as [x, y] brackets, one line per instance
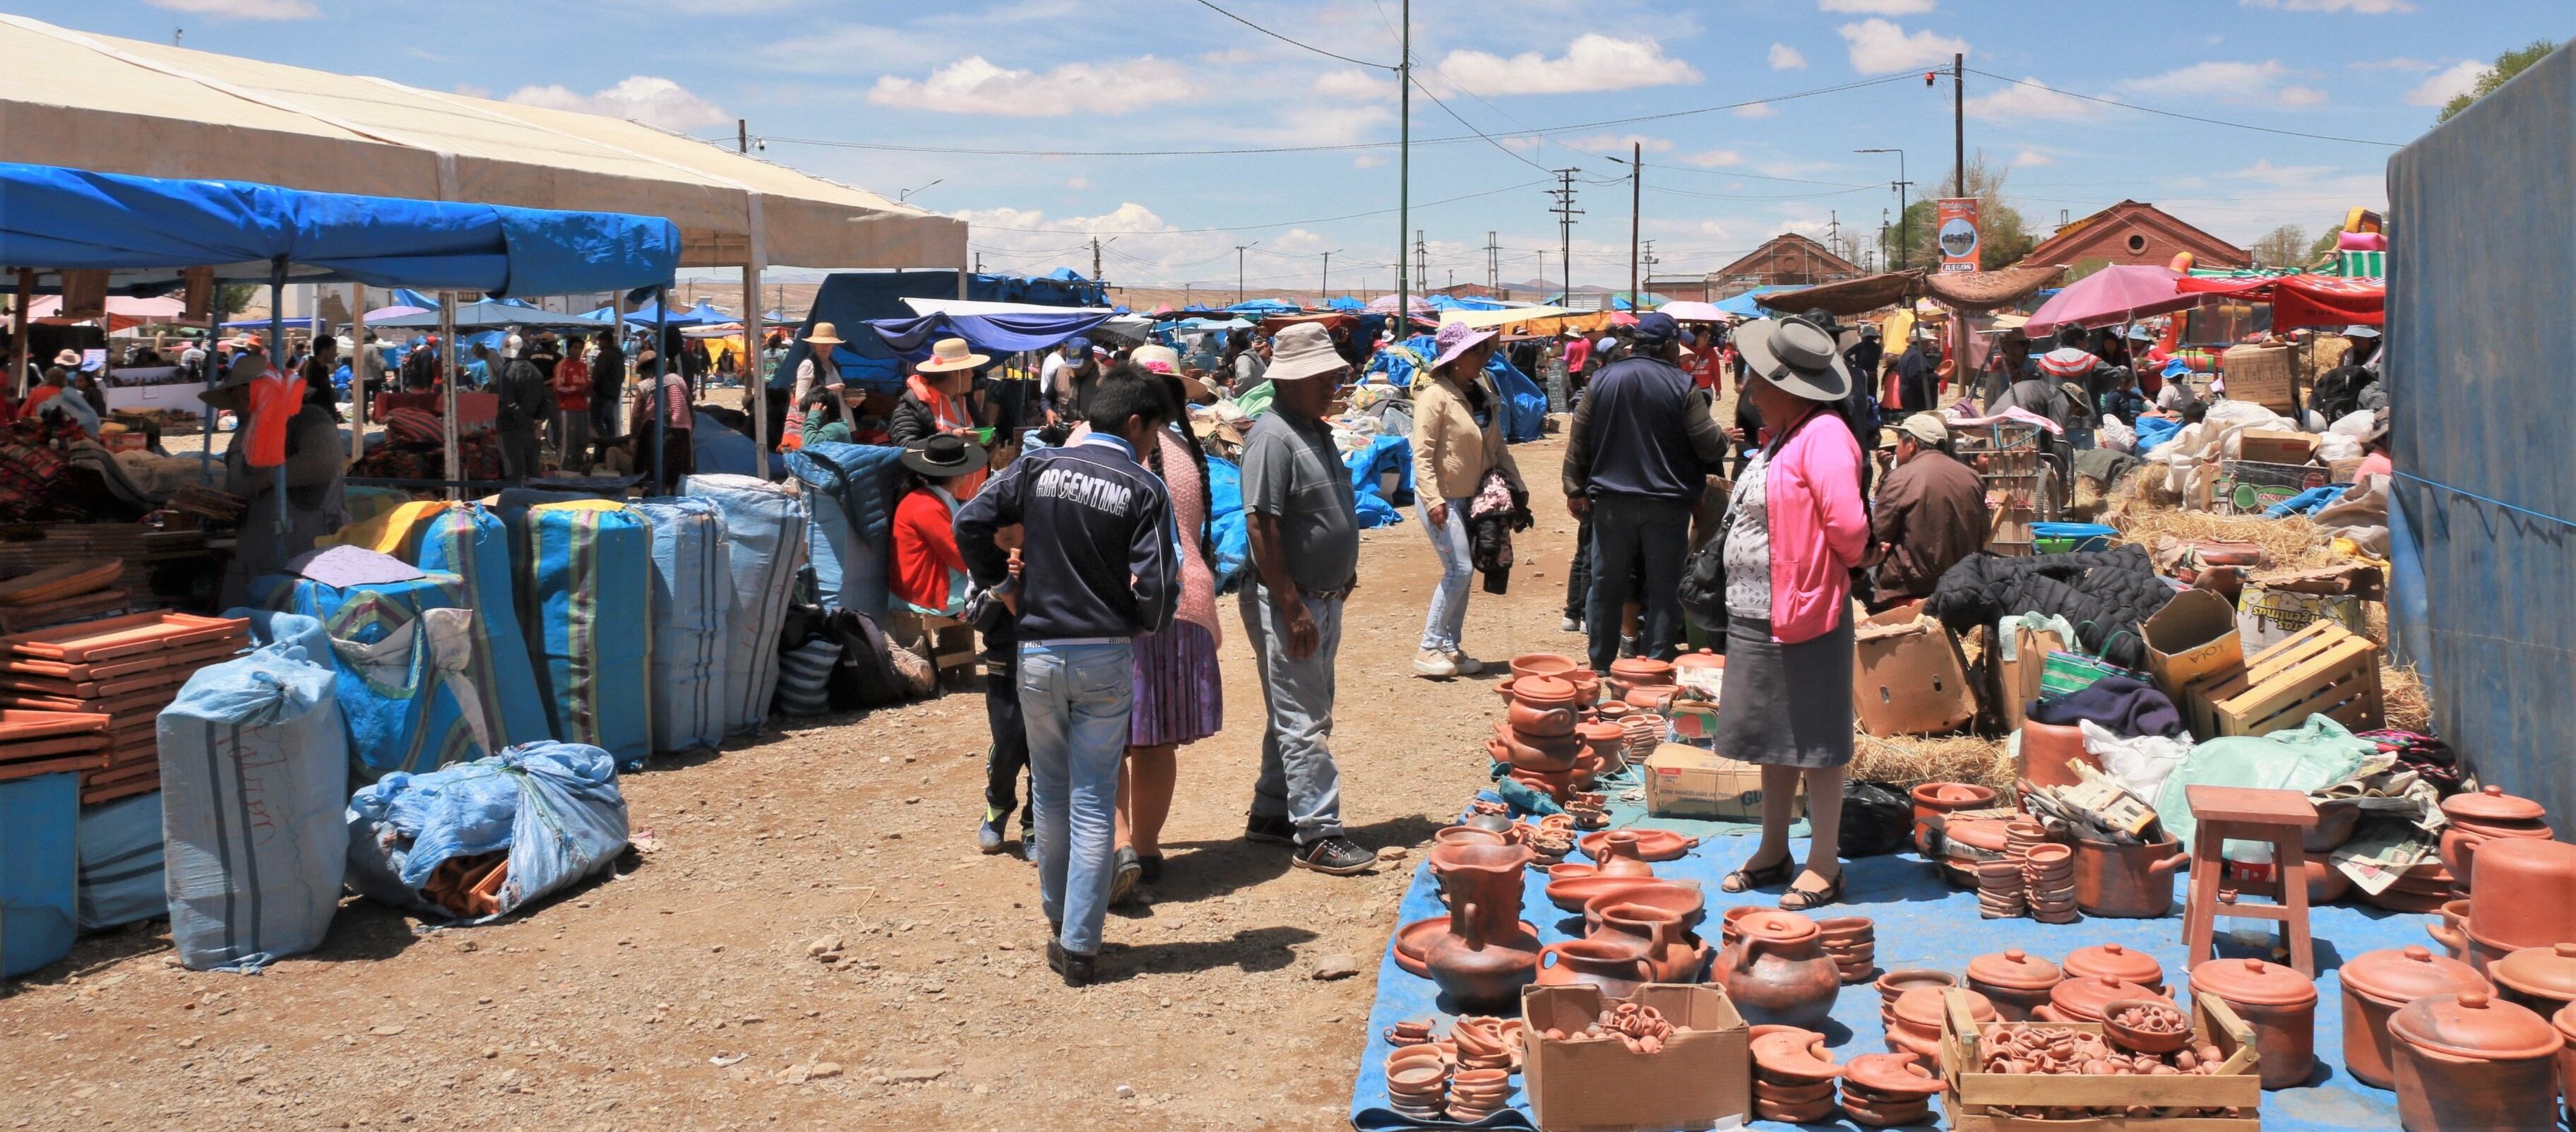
[2181, 115]
[1279, 224]
[1288, 41]
[1514, 154]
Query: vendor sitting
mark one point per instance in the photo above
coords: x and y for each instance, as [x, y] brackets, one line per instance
[56, 397]
[929, 575]
[1931, 513]
[2123, 401]
[315, 454]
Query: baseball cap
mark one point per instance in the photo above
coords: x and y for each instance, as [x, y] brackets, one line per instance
[1654, 328]
[1926, 428]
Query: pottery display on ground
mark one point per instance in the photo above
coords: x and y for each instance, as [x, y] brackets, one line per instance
[1893, 985]
[1543, 664]
[1939, 799]
[2524, 893]
[2278, 1003]
[1607, 742]
[2086, 999]
[1793, 1076]
[2376, 984]
[1914, 1020]
[2482, 816]
[1779, 971]
[1852, 943]
[1617, 966]
[1418, 1089]
[2146, 1025]
[1487, 954]
[2565, 1023]
[1681, 898]
[1541, 722]
[1469, 835]
[2467, 1061]
[2127, 881]
[1475, 1094]
[2118, 962]
[1650, 845]
[1670, 952]
[2016, 981]
[2003, 889]
[1573, 885]
[1967, 843]
[1886, 1090]
[2049, 870]
[1549, 754]
[2539, 979]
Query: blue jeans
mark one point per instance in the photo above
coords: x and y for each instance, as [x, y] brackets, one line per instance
[1448, 616]
[1633, 538]
[1075, 699]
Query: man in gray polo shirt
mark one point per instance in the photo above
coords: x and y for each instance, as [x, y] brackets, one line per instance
[1305, 557]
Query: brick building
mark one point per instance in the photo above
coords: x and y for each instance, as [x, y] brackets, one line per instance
[2130, 232]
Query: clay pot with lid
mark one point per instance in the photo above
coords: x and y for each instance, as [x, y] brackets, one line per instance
[2375, 985]
[2467, 1061]
[1622, 856]
[2523, 893]
[1681, 898]
[1540, 722]
[2118, 962]
[1940, 799]
[1608, 743]
[1469, 835]
[2482, 816]
[1537, 753]
[2539, 979]
[1780, 973]
[2087, 999]
[1914, 1022]
[2016, 981]
[1487, 954]
[1640, 671]
[2278, 1003]
[1543, 692]
[1543, 664]
[2127, 881]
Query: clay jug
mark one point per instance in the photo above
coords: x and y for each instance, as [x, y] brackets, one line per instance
[2133, 881]
[1781, 974]
[1669, 953]
[1617, 966]
[2046, 748]
[1486, 956]
[1620, 857]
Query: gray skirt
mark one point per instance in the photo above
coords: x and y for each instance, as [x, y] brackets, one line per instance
[1786, 705]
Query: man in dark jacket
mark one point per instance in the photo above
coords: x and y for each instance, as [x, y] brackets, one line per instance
[1098, 569]
[1931, 513]
[1918, 375]
[1636, 461]
[527, 401]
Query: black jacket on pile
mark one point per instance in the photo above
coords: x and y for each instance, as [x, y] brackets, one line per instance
[2105, 593]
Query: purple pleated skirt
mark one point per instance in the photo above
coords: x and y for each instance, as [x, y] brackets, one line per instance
[1178, 696]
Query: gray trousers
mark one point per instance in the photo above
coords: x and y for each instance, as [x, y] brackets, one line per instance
[1298, 776]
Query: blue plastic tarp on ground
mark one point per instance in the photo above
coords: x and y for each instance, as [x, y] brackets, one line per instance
[1369, 467]
[53, 217]
[554, 807]
[1526, 404]
[2155, 432]
[1226, 523]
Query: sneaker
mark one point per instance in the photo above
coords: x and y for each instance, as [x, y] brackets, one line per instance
[1465, 664]
[1274, 829]
[1631, 647]
[1570, 625]
[988, 836]
[1122, 883]
[1334, 856]
[1433, 664]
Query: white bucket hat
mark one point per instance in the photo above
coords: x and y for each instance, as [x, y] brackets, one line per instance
[1303, 350]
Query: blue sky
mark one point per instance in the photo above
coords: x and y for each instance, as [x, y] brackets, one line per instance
[1538, 76]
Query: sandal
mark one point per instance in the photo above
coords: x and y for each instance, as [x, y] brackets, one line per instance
[1746, 880]
[1805, 899]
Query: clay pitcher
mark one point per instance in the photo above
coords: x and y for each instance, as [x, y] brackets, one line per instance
[2131, 881]
[1669, 953]
[1617, 966]
[1620, 857]
[1486, 956]
[1781, 974]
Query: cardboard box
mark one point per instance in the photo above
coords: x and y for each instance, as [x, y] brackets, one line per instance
[2193, 636]
[1687, 781]
[1908, 676]
[2017, 679]
[2266, 617]
[1592, 1085]
[2260, 373]
[2276, 446]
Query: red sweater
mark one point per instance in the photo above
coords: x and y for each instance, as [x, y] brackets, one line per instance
[925, 550]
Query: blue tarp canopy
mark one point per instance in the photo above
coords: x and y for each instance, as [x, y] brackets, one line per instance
[486, 313]
[143, 229]
[1741, 305]
[989, 334]
[1258, 309]
[699, 315]
[848, 298]
[1346, 303]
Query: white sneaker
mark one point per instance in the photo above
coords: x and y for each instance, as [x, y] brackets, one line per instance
[1428, 663]
[1465, 664]
[1570, 625]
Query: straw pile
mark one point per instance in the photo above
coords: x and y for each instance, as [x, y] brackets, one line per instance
[2294, 543]
[2403, 704]
[1908, 761]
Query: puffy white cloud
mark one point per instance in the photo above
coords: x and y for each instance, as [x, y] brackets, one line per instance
[1786, 58]
[2399, 63]
[2447, 84]
[1877, 7]
[2230, 81]
[1592, 62]
[2299, 96]
[2357, 7]
[2030, 99]
[974, 85]
[1714, 159]
[1618, 143]
[2031, 159]
[243, 9]
[645, 98]
[1756, 110]
[1355, 85]
[1878, 46]
[1368, 161]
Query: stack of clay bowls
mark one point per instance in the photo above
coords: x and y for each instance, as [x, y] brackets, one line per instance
[1417, 1081]
[1885, 1090]
[2001, 889]
[1475, 1094]
[1893, 985]
[1793, 1077]
[1645, 732]
[2049, 870]
[1852, 943]
[2424, 888]
[1487, 1043]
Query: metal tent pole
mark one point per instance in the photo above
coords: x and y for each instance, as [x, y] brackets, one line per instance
[357, 372]
[755, 383]
[661, 365]
[276, 355]
[447, 381]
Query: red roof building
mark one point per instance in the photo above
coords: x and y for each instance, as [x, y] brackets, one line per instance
[1787, 259]
[2130, 232]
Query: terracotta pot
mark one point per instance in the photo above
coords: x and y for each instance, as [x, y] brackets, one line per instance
[1780, 972]
[1846, 932]
[1543, 664]
[2477, 951]
[1558, 785]
[1619, 852]
[1941, 798]
[1539, 722]
[1469, 835]
[2524, 893]
[1587, 686]
[1545, 753]
[1581, 885]
[2087, 999]
[2565, 1023]
[1487, 955]
[1643, 844]
[1608, 743]
[1914, 1023]
[1640, 671]
[1617, 966]
[2375, 985]
[2484, 815]
[2127, 881]
[2539, 979]
[1681, 898]
[2015, 981]
[2279, 1003]
[1964, 844]
[1792, 1058]
[2465, 1061]
[1651, 697]
[1704, 666]
[2455, 916]
[2140, 1040]
[2046, 749]
[2117, 962]
[1890, 1076]
[1894, 984]
[1791, 1095]
[1669, 951]
[1544, 692]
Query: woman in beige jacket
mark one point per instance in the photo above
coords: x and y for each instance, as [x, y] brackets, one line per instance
[1457, 437]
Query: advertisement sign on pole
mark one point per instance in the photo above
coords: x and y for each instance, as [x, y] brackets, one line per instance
[1955, 218]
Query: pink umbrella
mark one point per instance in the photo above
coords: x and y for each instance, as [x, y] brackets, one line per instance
[2118, 293]
[1385, 304]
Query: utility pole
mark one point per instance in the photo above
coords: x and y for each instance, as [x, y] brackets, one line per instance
[1453, 279]
[1095, 259]
[1403, 172]
[1238, 269]
[1565, 214]
[1325, 291]
[1421, 264]
[1493, 263]
[1650, 265]
[1959, 122]
[1636, 212]
[1834, 231]
[1900, 185]
[979, 263]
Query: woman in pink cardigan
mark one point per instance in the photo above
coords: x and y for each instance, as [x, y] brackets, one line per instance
[1795, 530]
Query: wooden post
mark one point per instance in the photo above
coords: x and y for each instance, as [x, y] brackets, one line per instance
[18, 333]
[755, 384]
[357, 372]
[447, 381]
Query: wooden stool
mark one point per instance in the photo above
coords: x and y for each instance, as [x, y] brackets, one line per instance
[2280, 818]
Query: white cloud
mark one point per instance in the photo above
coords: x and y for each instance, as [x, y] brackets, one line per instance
[1230, 57]
[1786, 58]
[2032, 159]
[1618, 143]
[645, 98]
[1355, 85]
[2228, 81]
[1878, 46]
[1592, 62]
[243, 9]
[2267, 173]
[2399, 63]
[2447, 84]
[2357, 7]
[1077, 182]
[2030, 99]
[1714, 158]
[1324, 125]
[975, 86]
[1756, 110]
[2300, 96]
[1368, 161]
[1876, 7]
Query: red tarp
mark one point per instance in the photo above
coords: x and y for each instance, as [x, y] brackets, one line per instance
[2306, 300]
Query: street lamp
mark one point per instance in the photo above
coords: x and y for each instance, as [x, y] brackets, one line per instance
[906, 194]
[1900, 185]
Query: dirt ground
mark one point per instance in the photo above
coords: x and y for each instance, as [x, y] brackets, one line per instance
[680, 993]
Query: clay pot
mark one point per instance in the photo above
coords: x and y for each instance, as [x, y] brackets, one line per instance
[2375, 985]
[2455, 916]
[1544, 692]
[1574, 887]
[1670, 953]
[1894, 984]
[1587, 686]
[2466, 1061]
[2524, 893]
[1793, 1057]
[1643, 844]
[2127, 881]
[2087, 999]
[2138, 1040]
[1788, 1096]
[2482, 816]
[2016, 981]
[1640, 671]
[1617, 966]
[1941, 798]
[1680, 898]
[1890, 1076]
[1550, 754]
[1780, 973]
[2046, 749]
[1618, 851]
[2476, 950]
[1914, 1023]
[1607, 742]
[2565, 1023]
[2279, 1003]
[2539, 979]
[1849, 931]
[1487, 954]
[1964, 844]
[1545, 723]
[1469, 835]
[1543, 664]
[2117, 962]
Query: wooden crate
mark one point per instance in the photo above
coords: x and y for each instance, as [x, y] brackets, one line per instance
[2324, 668]
[1969, 1097]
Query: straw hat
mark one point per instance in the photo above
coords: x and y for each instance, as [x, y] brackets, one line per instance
[1797, 355]
[1155, 358]
[1303, 350]
[947, 354]
[823, 334]
[70, 358]
[1454, 339]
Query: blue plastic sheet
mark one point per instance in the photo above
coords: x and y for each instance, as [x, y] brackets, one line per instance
[120, 862]
[692, 596]
[2307, 502]
[1226, 524]
[39, 871]
[402, 677]
[473, 543]
[554, 807]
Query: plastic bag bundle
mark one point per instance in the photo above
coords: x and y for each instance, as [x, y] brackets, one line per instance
[480, 840]
[400, 651]
[469, 541]
[585, 591]
[692, 596]
[120, 862]
[254, 779]
[764, 546]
